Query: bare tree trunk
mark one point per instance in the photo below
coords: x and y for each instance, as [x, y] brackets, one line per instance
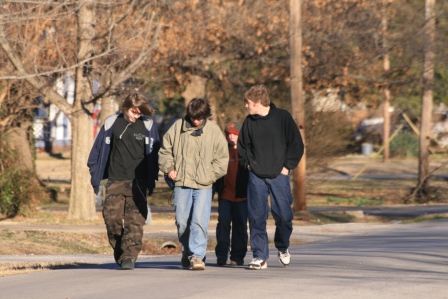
[196, 88]
[109, 106]
[297, 100]
[386, 67]
[19, 140]
[427, 98]
[82, 204]
[213, 105]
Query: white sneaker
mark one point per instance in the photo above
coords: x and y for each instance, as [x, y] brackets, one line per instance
[258, 264]
[284, 257]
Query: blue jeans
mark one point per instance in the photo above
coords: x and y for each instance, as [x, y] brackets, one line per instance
[192, 208]
[279, 189]
[231, 216]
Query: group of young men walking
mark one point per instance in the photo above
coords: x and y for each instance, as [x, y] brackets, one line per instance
[246, 165]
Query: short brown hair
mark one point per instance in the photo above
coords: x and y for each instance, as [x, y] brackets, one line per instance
[137, 100]
[258, 93]
[199, 108]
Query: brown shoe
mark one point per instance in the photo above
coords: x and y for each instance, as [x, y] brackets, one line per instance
[221, 262]
[127, 265]
[196, 263]
[235, 263]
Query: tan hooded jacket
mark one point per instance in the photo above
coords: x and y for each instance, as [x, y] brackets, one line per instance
[198, 160]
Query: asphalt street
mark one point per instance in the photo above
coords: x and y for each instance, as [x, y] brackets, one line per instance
[402, 211]
[389, 261]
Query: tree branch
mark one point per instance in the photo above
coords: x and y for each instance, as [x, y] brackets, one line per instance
[45, 89]
[130, 69]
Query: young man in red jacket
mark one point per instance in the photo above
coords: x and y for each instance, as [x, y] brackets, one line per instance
[231, 230]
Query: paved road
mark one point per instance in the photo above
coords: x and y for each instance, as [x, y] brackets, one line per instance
[405, 176]
[387, 211]
[389, 261]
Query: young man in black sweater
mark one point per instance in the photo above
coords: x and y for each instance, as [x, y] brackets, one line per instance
[269, 146]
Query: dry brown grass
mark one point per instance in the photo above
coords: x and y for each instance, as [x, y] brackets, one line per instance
[24, 242]
[48, 217]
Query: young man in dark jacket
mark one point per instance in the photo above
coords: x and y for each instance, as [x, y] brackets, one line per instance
[126, 153]
[269, 146]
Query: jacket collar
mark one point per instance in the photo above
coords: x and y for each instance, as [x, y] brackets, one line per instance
[186, 126]
[110, 120]
[257, 116]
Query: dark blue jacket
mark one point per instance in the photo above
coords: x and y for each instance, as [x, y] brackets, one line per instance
[99, 155]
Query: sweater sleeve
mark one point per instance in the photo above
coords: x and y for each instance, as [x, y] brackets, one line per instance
[221, 156]
[93, 161]
[244, 145]
[155, 152]
[295, 146]
[166, 158]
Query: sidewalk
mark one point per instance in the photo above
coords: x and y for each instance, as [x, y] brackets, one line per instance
[301, 235]
[166, 229]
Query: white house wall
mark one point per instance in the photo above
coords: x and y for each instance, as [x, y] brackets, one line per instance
[60, 125]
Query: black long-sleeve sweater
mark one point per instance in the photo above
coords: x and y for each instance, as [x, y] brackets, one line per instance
[269, 143]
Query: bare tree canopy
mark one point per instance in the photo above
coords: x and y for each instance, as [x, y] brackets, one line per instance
[217, 48]
[94, 43]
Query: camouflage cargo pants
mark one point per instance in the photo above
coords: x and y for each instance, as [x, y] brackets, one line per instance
[125, 210]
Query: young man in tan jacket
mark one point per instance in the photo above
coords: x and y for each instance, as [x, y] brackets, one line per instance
[193, 155]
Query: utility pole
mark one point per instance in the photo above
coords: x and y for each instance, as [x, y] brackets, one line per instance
[297, 99]
[386, 68]
[427, 97]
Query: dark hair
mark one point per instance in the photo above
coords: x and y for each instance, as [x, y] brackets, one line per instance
[199, 108]
[258, 93]
[137, 100]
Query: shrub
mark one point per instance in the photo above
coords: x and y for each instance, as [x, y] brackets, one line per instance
[405, 145]
[19, 188]
[327, 135]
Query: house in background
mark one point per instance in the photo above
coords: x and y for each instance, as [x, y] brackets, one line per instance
[52, 128]
[41, 126]
[368, 122]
